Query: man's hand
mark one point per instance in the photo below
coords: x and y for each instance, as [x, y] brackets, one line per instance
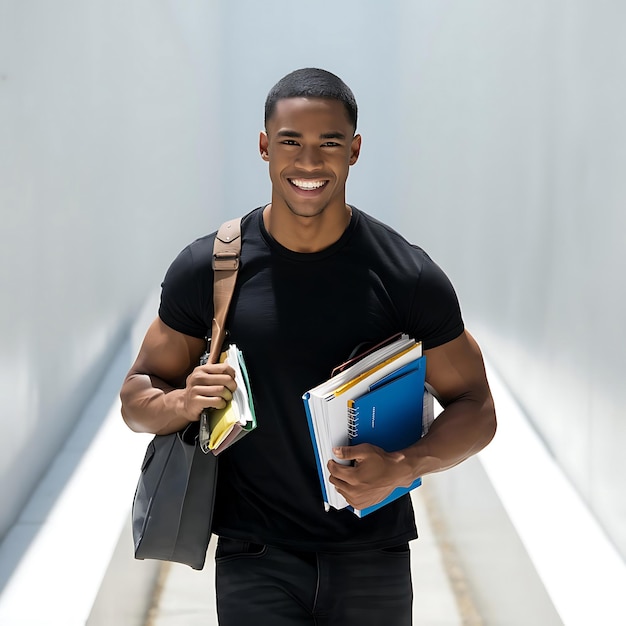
[209, 386]
[371, 478]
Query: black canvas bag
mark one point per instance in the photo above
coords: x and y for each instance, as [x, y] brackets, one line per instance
[173, 504]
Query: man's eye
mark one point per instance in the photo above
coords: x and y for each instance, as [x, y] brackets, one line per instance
[289, 142]
[331, 144]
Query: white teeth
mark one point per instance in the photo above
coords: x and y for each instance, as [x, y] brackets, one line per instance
[307, 185]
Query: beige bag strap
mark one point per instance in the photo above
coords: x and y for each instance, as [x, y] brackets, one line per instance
[226, 253]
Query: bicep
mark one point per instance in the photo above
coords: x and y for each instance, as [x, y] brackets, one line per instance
[456, 370]
[167, 354]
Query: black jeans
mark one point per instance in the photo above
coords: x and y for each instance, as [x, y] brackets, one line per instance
[258, 585]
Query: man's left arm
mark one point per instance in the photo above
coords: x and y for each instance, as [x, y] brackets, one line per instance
[467, 424]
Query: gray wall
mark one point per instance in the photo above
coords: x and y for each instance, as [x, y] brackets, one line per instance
[516, 181]
[494, 137]
[107, 168]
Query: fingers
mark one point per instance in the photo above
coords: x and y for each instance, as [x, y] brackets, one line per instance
[359, 490]
[210, 396]
[214, 371]
[337, 478]
[215, 375]
[209, 386]
[366, 481]
[344, 476]
[357, 493]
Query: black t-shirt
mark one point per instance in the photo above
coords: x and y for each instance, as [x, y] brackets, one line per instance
[295, 316]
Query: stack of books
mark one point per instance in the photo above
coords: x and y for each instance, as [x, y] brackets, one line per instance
[377, 398]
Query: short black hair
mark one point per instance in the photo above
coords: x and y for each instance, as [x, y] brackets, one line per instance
[311, 82]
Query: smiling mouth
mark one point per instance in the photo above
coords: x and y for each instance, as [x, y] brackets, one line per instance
[307, 185]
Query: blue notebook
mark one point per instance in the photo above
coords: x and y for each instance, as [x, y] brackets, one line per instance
[389, 416]
[318, 461]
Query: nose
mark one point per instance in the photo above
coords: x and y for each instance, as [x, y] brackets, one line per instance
[309, 158]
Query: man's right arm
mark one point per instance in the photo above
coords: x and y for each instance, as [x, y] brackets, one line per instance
[166, 389]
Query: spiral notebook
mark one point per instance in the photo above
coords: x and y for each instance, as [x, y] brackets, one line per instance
[392, 415]
[326, 405]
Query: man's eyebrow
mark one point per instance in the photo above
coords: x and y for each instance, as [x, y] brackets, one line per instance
[296, 135]
[288, 133]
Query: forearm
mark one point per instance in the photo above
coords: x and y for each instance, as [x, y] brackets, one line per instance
[151, 405]
[464, 428]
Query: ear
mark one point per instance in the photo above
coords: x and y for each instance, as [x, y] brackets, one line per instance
[263, 146]
[355, 149]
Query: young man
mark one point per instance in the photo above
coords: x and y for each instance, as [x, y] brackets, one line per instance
[318, 277]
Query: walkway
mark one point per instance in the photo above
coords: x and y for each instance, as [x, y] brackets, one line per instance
[186, 597]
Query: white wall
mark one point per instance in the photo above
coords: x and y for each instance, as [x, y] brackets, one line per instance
[516, 185]
[107, 164]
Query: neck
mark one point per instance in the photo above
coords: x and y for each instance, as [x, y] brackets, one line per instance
[305, 234]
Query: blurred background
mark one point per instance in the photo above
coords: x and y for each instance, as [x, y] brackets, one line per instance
[494, 136]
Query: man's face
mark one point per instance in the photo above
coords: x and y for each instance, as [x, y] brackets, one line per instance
[310, 146]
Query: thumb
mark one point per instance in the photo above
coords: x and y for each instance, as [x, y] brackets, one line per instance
[338, 451]
[348, 453]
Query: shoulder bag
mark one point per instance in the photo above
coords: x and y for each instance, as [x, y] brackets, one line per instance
[173, 504]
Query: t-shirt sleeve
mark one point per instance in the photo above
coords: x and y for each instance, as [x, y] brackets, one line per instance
[435, 312]
[186, 291]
